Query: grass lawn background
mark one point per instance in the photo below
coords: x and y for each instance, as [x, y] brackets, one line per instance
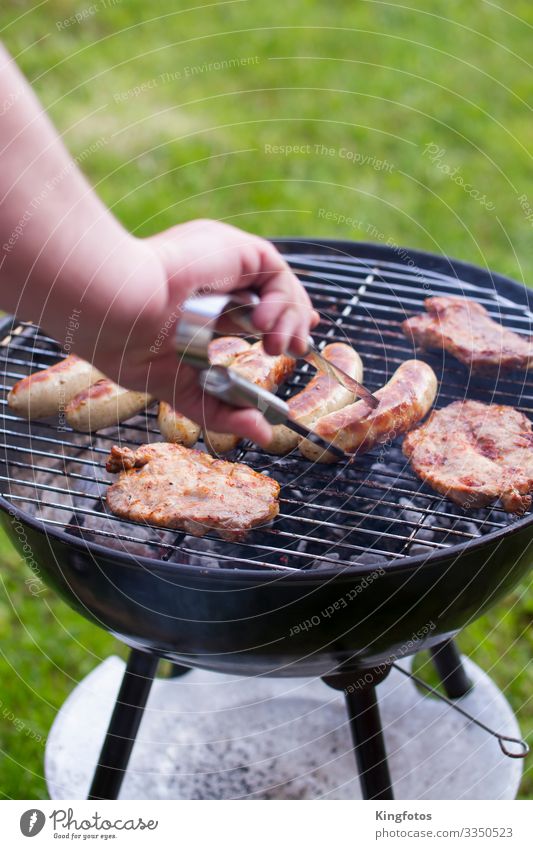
[175, 114]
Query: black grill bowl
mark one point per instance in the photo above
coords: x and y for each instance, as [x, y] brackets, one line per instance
[388, 567]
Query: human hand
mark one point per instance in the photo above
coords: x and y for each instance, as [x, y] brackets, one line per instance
[189, 258]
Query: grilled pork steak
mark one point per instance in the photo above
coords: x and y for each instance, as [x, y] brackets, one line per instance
[465, 329]
[176, 487]
[474, 453]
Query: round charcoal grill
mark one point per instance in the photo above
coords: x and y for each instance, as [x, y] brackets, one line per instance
[364, 563]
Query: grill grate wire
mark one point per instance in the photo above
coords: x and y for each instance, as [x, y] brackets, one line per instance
[375, 511]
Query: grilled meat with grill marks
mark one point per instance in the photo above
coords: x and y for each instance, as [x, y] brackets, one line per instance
[323, 394]
[43, 393]
[465, 329]
[175, 487]
[403, 401]
[104, 404]
[474, 453]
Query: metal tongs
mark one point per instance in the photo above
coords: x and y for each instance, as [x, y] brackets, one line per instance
[228, 386]
[204, 317]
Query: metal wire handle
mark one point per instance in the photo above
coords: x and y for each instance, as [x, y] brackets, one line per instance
[501, 738]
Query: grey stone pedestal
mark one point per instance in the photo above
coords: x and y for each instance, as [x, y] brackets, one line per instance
[211, 736]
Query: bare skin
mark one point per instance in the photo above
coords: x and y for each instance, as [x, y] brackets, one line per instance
[62, 250]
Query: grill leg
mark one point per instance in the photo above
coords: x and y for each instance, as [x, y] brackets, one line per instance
[123, 726]
[449, 666]
[367, 733]
[369, 746]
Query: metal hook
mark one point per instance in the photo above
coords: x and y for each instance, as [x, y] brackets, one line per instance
[522, 743]
[501, 738]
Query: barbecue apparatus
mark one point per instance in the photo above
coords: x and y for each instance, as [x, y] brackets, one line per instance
[361, 558]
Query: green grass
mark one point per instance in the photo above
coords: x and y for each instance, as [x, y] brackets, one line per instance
[378, 80]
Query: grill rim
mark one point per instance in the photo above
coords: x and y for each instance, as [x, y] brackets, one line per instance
[424, 261]
[434, 262]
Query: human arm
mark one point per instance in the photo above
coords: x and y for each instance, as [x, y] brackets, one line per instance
[62, 250]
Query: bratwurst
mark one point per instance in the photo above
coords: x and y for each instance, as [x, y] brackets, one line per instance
[323, 394]
[46, 392]
[175, 427]
[403, 402]
[104, 404]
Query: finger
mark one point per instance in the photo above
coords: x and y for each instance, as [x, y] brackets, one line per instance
[279, 289]
[248, 423]
[276, 299]
[289, 326]
[171, 380]
[299, 343]
[216, 416]
[280, 338]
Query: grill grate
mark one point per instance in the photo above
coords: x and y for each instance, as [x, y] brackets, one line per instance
[373, 512]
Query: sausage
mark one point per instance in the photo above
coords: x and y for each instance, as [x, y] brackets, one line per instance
[223, 350]
[404, 400]
[220, 443]
[261, 369]
[175, 427]
[323, 394]
[104, 404]
[45, 393]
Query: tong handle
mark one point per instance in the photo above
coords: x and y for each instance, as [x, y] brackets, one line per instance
[240, 313]
[230, 387]
[202, 317]
[205, 316]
